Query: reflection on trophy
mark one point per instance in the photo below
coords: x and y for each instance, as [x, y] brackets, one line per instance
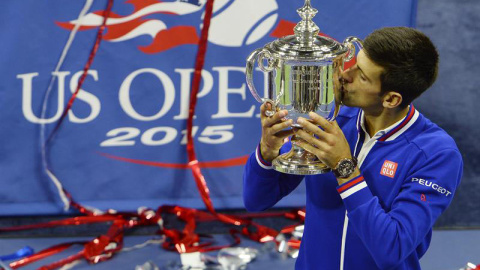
[302, 71]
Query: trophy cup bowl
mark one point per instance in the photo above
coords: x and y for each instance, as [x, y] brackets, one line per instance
[302, 71]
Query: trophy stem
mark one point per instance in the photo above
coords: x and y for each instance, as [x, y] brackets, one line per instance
[299, 161]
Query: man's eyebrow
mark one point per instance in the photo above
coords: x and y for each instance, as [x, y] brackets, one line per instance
[363, 72]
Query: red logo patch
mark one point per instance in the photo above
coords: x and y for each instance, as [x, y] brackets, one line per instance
[423, 197]
[389, 168]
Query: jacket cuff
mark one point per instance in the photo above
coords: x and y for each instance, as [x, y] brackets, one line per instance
[260, 166]
[261, 161]
[354, 193]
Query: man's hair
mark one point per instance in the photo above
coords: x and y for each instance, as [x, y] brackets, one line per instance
[409, 59]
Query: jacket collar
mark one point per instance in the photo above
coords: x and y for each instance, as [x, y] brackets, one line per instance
[394, 131]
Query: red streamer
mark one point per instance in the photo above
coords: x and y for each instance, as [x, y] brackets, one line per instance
[92, 55]
[253, 230]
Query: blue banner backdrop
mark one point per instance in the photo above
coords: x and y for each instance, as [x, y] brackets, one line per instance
[123, 143]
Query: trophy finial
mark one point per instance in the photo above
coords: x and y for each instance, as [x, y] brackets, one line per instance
[306, 30]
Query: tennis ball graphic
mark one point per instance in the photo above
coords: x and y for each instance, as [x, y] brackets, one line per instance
[241, 22]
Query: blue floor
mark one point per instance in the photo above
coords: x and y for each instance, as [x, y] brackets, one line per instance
[449, 250]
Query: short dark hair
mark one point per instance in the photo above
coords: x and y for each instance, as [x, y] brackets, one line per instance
[409, 59]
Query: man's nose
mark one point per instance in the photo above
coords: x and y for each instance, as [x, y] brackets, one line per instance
[345, 76]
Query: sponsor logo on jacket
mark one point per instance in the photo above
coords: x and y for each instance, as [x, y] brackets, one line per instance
[389, 168]
[432, 185]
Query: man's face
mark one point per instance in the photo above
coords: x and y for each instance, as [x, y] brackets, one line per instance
[362, 85]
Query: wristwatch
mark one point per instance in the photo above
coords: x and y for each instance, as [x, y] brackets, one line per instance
[345, 167]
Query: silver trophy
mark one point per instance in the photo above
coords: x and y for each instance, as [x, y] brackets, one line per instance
[302, 71]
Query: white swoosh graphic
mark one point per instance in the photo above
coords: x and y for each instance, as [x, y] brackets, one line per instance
[178, 8]
[148, 28]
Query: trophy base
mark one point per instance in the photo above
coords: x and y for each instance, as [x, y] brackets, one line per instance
[300, 162]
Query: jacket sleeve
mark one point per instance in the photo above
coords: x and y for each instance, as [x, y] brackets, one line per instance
[263, 187]
[391, 236]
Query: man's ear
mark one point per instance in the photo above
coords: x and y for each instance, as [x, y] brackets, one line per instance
[392, 100]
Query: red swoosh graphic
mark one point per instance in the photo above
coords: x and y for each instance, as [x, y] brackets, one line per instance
[171, 38]
[119, 30]
[238, 161]
[139, 4]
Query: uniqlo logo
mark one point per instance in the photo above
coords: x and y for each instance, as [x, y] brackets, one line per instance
[389, 168]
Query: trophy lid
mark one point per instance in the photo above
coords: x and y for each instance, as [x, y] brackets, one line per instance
[306, 44]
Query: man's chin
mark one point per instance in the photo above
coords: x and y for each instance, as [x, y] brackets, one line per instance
[347, 102]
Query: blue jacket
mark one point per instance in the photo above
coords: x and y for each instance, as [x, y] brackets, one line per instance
[382, 219]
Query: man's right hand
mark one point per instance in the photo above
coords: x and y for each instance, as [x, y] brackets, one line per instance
[273, 133]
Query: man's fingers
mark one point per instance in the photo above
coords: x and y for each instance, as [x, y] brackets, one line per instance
[324, 123]
[312, 128]
[267, 109]
[310, 148]
[263, 108]
[312, 140]
[284, 134]
[335, 124]
[281, 126]
[317, 151]
[276, 118]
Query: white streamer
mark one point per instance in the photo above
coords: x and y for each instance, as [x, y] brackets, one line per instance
[53, 178]
[144, 244]
[58, 185]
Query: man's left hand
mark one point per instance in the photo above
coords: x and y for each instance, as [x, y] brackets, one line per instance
[329, 144]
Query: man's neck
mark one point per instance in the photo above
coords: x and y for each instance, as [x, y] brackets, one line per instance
[375, 122]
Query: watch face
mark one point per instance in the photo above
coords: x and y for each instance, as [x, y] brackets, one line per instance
[345, 168]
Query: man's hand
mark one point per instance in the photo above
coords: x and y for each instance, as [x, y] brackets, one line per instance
[329, 144]
[273, 133]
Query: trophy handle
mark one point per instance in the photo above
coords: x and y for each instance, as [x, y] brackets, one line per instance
[350, 43]
[260, 55]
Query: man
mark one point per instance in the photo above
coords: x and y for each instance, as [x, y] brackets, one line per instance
[394, 171]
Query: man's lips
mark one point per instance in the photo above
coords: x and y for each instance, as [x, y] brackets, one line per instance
[341, 94]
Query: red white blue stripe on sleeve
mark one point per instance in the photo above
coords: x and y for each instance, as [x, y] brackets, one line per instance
[262, 162]
[356, 184]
